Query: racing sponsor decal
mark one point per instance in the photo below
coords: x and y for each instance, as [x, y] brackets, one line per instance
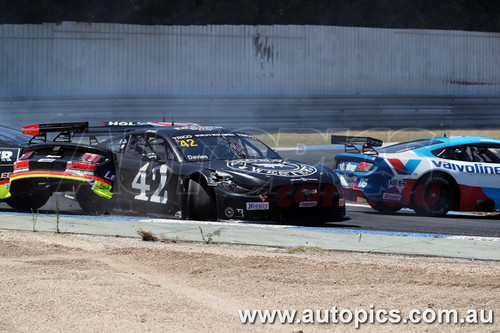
[403, 169]
[8, 155]
[392, 196]
[362, 183]
[468, 168]
[240, 212]
[110, 175]
[199, 128]
[271, 168]
[347, 166]
[197, 157]
[303, 179]
[397, 183]
[257, 205]
[305, 204]
[229, 212]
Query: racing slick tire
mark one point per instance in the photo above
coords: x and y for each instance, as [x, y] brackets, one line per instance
[384, 207]
[200, 202]
[29, 202]
[91, 203]
[434, 195]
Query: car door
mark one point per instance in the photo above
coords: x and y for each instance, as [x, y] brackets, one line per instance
[485, 168]
[144, 174]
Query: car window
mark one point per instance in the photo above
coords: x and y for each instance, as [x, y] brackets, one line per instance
[227, 146]
[456, 153]
[405, 146]
[138, 145]
[484, 153]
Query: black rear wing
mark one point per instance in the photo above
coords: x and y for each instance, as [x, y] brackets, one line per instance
[352, 144]
[66, 132]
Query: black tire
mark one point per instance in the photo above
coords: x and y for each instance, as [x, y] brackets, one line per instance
[200, 202]
[434, 195]
[91, 203]
[29, 202]
[384, 207]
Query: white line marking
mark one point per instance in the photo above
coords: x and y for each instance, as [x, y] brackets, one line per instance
[478, 238]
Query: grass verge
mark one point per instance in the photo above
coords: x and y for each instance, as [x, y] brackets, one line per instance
[313, 138]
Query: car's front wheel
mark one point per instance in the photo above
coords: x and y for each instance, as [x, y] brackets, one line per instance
[434, 195]
[200, 202]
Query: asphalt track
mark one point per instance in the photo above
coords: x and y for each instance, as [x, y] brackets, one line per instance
[456, 235]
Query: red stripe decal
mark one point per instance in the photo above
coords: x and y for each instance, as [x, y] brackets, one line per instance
[397, 164]
[58, 174]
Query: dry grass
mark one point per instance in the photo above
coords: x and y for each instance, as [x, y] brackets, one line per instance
[148, 236]
[312, 138]
[305, 249]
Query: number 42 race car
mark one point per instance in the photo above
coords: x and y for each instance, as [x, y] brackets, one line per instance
[195, 172]
[431, 176]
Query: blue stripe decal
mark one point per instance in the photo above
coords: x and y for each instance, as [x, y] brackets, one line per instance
[411, 165]
[375, 232]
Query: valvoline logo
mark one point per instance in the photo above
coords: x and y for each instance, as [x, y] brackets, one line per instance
[404, 169]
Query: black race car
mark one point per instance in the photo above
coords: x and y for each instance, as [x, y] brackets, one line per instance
[195, 172]
[12, 142]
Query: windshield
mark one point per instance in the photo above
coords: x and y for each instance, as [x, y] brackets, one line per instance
[11, 137]
[401, 147]
[225, 146]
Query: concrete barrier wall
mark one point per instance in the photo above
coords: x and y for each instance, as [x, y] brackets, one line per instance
[267, 112]
[257, 76]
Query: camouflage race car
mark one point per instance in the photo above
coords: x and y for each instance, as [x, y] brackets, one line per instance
[196, 172]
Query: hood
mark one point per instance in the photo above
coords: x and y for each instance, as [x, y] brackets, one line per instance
[280, 171]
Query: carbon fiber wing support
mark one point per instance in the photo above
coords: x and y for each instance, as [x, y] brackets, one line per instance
[358, 144]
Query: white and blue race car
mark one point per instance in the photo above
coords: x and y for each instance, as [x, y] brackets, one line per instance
[431, 176]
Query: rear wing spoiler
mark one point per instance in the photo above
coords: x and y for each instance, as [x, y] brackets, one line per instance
[352, 144]
[66, 131]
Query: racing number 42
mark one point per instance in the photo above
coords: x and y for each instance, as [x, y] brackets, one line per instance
[140, 183]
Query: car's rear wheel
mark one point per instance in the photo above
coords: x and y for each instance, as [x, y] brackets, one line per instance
[434, 195]
[200, 202]
[91, 203]
[384, 207]
[29, 202]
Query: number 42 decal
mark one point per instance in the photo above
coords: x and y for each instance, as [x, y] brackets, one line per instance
[140, 183]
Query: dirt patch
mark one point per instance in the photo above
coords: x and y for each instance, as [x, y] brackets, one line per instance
[57, 282]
